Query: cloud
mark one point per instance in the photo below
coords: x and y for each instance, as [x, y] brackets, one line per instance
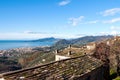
[20, 36]
[112, 21]
[104, 33]
[75, 21]
[115, 28]
[64, 2]
[32, 32]
[113, 32]
[29, 36]
[79, 20]
[111, 12]
[92, 22]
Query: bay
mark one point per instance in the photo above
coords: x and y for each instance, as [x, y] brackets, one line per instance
[9, 44]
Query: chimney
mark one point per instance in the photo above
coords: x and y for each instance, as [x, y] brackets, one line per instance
[70, 46]
[69, 53]
[56, 51]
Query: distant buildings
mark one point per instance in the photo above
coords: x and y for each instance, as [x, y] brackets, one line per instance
[71, 51]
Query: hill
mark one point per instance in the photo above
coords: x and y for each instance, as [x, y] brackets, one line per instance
[19, 58]
[51, 39]
[7, 64]
[62, 43]
[28, 57]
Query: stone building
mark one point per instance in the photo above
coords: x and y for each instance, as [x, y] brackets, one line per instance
[91, 46]
[59, 57]
[78, 68]
[66, 53]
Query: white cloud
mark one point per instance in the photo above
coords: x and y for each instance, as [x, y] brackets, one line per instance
[15, 35]
[32, 32]
[29, 36]
[104, 33]
[112, 21]
[64, 2]
[68, 36]
[75, 21]
[91, 22]
[111, 12]
[28, 31]
[113, 32]
[115, 28]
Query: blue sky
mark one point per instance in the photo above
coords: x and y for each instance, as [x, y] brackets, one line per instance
[34, 19]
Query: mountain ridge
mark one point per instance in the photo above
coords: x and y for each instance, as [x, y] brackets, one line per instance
[62, 43]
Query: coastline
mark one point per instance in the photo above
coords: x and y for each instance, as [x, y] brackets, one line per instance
[24, 50]
[7, 45]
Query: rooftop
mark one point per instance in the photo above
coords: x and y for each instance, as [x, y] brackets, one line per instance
[64, 69]
[71, 51]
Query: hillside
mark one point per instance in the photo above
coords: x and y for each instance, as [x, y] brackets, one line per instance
[51, 39]
[19, 58]
[60, 44]
[28, 57]
[109, 52]
[87, 39]
[79, 41]
[7, 64]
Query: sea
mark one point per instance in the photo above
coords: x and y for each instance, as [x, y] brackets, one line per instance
[10, 44]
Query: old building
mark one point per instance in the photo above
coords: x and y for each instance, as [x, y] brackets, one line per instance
[91, 46]
[78, 68]
[69, 52]
[71, 64]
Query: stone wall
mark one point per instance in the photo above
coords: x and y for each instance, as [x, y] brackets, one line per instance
[58, 57]
[96, 74]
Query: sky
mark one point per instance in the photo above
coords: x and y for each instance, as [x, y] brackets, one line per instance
[34, 19]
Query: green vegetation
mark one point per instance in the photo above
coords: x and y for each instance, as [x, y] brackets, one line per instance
[118, 78]
[61, 44]
[37, 58]
[22, 58]
[7, 64]
[112, 72]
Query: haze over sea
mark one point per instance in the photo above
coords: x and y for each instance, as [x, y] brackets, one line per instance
[9, 44]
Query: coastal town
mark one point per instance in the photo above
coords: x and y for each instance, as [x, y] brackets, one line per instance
[72, 62]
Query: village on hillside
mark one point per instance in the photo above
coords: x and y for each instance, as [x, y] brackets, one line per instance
[93, 61]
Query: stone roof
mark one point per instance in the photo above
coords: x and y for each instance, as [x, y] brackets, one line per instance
[59, 70]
